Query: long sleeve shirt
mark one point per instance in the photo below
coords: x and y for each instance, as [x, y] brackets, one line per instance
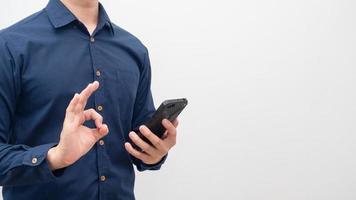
[44, 60]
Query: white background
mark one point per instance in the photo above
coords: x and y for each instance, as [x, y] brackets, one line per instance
[272, 91]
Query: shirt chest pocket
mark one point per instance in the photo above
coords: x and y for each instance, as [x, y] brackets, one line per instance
[120, 87]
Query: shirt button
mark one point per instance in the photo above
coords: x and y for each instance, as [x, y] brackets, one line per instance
[101, 142]
[102, 178]
[100, 108]
[92, 39]
[98, 73]
[34, 160]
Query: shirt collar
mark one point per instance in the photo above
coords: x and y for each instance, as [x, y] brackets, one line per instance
[60, 15]
[104, 19]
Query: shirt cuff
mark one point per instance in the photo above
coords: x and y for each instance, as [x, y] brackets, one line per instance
[37, 157]
[142, 166]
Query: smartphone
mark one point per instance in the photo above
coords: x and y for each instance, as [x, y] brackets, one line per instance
[169, 109]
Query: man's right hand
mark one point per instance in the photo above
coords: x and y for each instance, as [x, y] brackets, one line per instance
[76, 139]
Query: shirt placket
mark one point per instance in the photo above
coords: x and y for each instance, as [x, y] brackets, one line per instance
[100, 108]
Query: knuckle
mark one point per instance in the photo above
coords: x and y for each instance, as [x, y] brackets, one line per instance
[136, 140]
[146, 148]
[165, 149]
[139, 155]
[157, 143]
[132, 151]
[145, 145]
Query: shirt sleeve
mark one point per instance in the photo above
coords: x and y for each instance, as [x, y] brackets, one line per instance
[144, 109]
[19, 164]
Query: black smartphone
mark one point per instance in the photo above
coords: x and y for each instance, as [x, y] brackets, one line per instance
[169, 109]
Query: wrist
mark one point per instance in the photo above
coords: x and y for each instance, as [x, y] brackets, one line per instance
[54, 159]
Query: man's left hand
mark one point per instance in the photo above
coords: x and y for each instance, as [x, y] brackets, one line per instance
[152, 154]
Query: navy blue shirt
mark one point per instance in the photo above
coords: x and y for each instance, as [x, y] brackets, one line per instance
[44, 60]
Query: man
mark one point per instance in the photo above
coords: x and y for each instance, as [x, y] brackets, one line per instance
[59, 144]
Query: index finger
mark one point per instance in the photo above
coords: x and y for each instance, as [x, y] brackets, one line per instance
[156, 141]
[87, 92]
